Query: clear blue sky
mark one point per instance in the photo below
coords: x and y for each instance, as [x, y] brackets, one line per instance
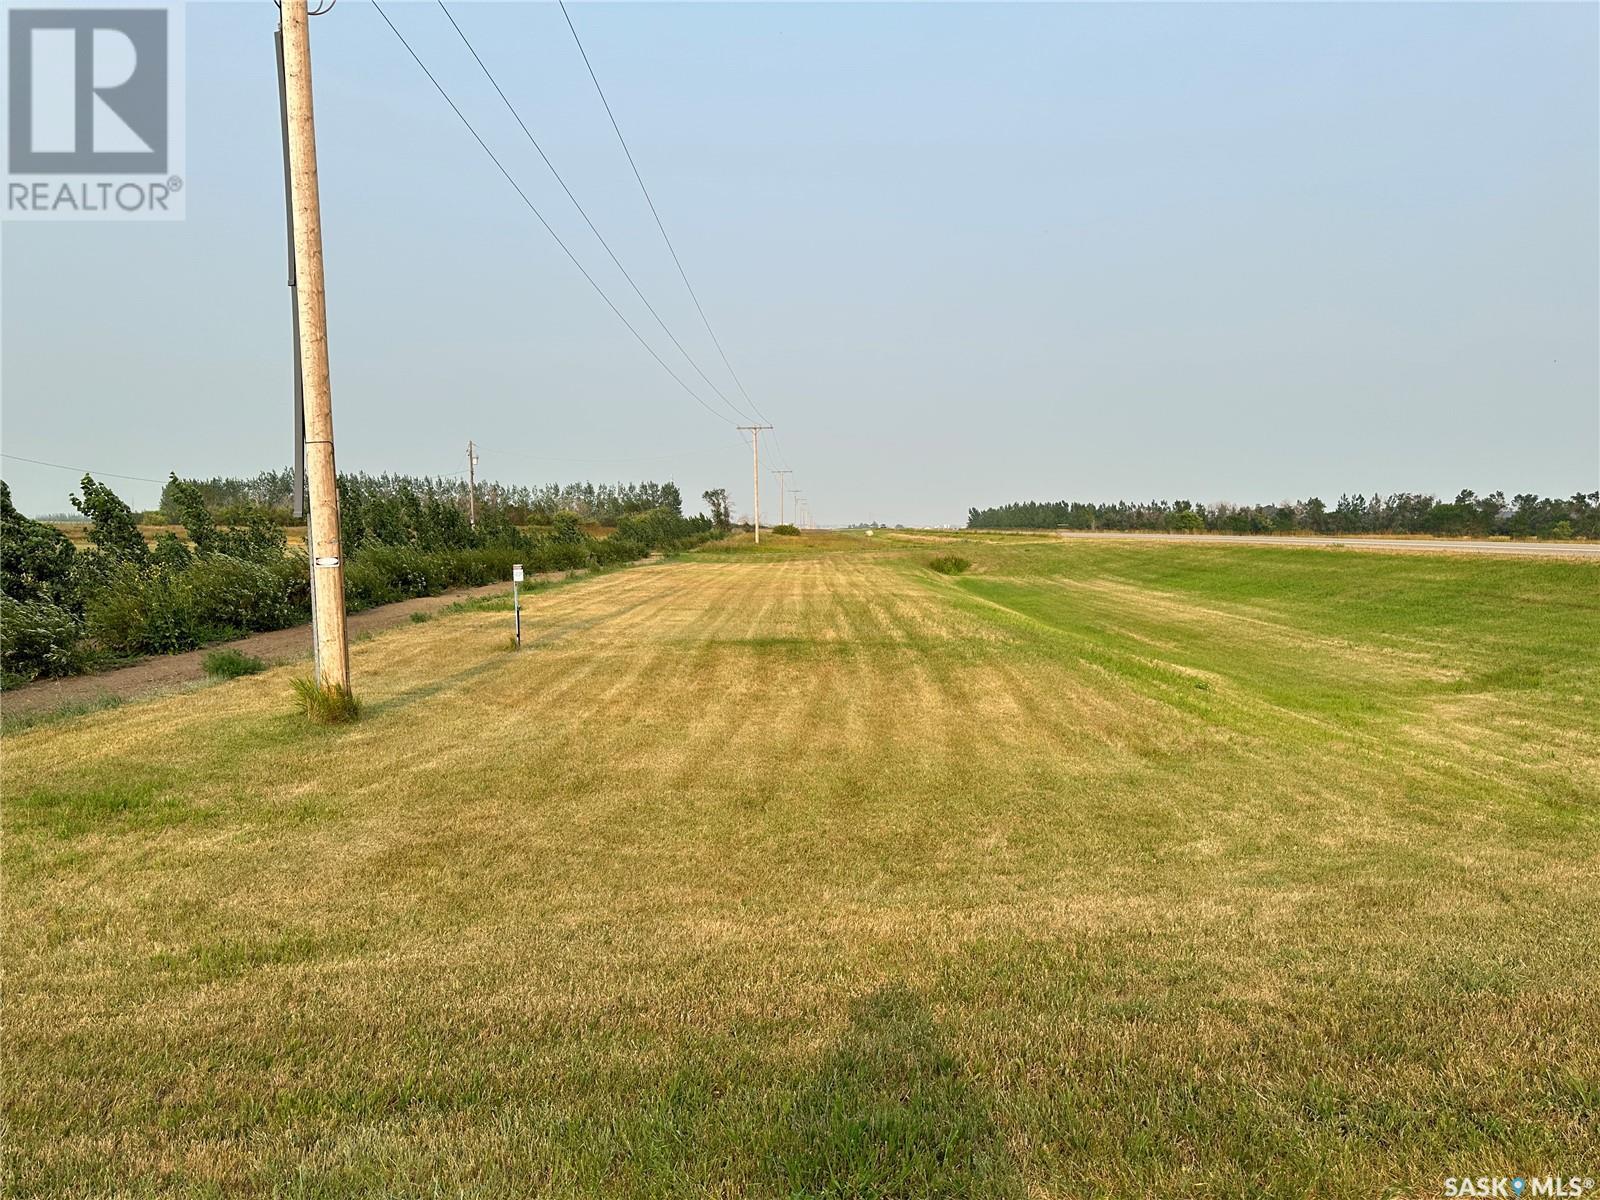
[960, 254]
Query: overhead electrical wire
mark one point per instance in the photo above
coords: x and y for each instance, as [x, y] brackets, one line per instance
[477, 137]
[39, 462]
[671, 249]
[661, 226]
[534, 142]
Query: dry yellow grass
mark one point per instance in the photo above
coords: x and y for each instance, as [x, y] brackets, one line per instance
[1101, 870]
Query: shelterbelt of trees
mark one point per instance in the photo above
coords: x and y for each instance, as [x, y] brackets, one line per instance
[233, 499]
[65, 610]
[1468, 515]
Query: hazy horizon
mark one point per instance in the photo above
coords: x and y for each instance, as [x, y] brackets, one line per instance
[960, 255]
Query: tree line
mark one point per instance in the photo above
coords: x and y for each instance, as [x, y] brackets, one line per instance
[1468, 515]
[234, 498]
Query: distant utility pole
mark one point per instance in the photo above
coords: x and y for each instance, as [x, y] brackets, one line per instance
[755, 469]
[298, 496]
[780, 475]
[327, 567]
[472, 484]
[799, 503]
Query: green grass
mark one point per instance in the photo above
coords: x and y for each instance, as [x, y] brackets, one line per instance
[325, 705]
[16, 723]
[1101, 870]
[230, 664]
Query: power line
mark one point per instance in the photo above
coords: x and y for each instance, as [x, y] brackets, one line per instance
[534, 142]
[649, 349]
[671, 249]
[39, 462]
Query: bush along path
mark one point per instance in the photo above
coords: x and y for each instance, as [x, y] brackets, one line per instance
[77, 693]
[66, 612]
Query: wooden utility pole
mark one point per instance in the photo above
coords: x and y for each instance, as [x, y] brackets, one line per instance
[780, 475]
[327, 567]
[298, 498]
[472, 484]
[755, 469]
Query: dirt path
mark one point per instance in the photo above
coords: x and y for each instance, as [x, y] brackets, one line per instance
[172, 670]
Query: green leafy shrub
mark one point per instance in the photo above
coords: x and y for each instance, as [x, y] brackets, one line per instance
[40, 638]
[657, 529]
[170, 554]
[564, 528]
[787, 530]
[139, 612]
[157, 610]
[230, 664]
[948, 564]
[368, 583]
[36, 560]
[226, 595]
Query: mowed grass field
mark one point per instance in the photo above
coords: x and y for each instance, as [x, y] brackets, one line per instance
[1101, 870]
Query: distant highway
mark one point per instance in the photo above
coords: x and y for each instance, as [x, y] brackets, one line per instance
[1418, 545]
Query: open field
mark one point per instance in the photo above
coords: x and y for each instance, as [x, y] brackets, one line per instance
[77, 532]
[1104, 869]
[1414, 542]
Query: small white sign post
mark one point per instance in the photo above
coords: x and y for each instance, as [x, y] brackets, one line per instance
[516, 601]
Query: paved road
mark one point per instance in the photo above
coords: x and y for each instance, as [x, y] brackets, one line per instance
[1420, 545]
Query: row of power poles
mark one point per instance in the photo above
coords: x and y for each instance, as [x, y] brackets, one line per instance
[755, 476]
[316, 476]
[800, 506]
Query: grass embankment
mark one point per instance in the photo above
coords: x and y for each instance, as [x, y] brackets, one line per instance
[1097, 870]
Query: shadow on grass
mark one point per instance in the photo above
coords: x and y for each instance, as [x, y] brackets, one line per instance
[431, 688]
[890, 1113]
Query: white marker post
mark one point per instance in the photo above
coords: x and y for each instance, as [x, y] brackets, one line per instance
[516, 602]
